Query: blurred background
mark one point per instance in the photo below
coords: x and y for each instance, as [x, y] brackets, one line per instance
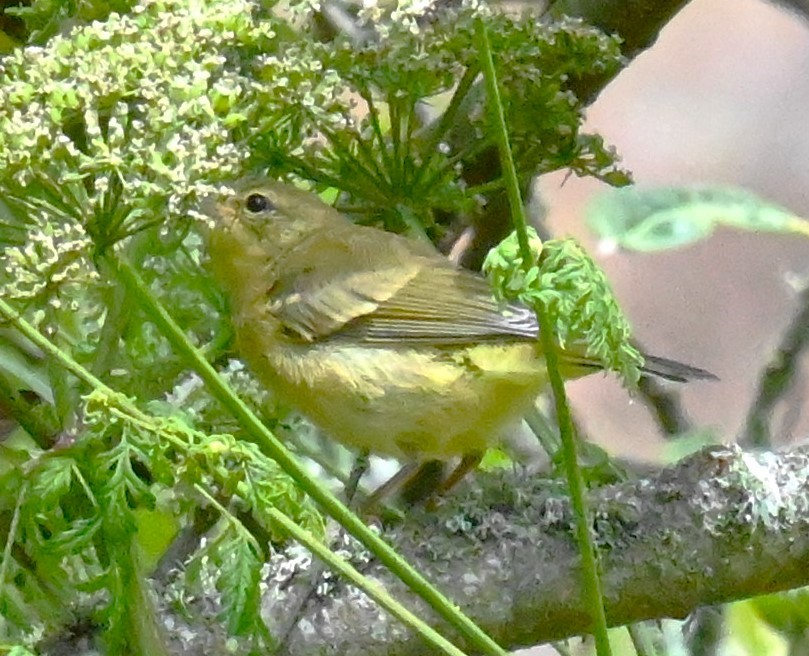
[721, 99]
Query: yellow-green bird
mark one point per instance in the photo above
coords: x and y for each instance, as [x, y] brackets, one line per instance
[378, 339]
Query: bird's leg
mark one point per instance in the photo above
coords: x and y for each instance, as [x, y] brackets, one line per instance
[396, 482]
[357, 472]
[419, 482]
[468, 463]
[424, 483]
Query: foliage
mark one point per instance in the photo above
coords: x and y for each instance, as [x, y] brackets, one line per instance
[415, 168]
[76, 512]
[45, 18]
[575, 293]
[112, 130]
[654, 219]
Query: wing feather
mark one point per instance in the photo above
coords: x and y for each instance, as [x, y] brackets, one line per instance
[444, 306]
[395, 291]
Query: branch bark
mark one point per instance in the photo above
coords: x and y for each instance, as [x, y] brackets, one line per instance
[638, 23]
[721, 525]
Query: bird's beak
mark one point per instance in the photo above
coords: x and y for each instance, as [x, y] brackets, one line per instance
[218, 210]
[209, 204]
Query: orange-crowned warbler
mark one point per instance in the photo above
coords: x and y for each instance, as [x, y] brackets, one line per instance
[378, 339]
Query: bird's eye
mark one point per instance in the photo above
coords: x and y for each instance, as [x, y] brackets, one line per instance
[259, 203]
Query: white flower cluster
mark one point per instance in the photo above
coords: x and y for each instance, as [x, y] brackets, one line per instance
[152, 99]
[142, 115]
[53, 255]
[382, 15]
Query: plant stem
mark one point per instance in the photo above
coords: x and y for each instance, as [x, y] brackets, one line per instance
[575, 480]
[501, 136]
[12, 535]
[276, 450]
[376, 592]
[592, 583]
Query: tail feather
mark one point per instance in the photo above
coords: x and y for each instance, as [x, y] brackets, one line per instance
[673, 370]
[576, 366]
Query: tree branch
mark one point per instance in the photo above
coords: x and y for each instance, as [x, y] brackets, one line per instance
[637, 22]
[721, 525]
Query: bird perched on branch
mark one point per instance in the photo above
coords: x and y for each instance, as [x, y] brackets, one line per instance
[379, 339]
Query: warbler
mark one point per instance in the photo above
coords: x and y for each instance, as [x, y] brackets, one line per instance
[378, 339]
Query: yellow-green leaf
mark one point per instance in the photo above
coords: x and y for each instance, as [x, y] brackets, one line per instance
[670, 217]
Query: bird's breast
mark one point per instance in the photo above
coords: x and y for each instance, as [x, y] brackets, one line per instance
[405, 401]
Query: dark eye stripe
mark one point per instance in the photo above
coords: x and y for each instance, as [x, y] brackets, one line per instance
[257, 203]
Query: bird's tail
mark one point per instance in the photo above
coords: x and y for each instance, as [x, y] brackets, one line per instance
[575, 366]
[673, 370]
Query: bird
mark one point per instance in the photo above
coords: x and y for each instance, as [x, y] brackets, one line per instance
[377, 338]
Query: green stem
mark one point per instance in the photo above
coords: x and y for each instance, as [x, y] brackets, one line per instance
[23, 413]
[503, 146]
[395, 132]
[276, 450]
[438, 132]
[115, 322]
[641, 639]
[592, 583]
[55, 353]
[376, 126]
[229, 517]
[12, 535]
[375, 591]
[252, 424]
[575, 480]
[545, 432]
[337, 564]
[370, 177]
[134, 629]
[562, 649]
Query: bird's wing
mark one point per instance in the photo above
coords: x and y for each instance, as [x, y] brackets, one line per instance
[444, 305]
[398, 292]
[391, 292]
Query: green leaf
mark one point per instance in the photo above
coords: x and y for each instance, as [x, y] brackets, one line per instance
[239, 576]
[688, 443]
[156, 530]
[19, 650]
[670, 217]
[495, 459]
[787, 612]
[576, 295]
[750, 635]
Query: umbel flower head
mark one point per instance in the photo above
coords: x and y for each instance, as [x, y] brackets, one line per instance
[122, 125]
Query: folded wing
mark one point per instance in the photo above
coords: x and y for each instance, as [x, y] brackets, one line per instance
[395, 292]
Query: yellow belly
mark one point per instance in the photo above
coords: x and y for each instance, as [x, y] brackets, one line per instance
[408, 402]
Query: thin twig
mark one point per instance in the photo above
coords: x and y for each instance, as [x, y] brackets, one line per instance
[778, 377]
[665, 405]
